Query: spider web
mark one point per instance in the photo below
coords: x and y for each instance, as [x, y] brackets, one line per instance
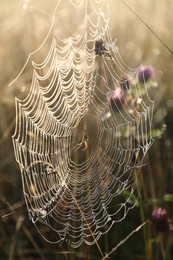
[80, 151]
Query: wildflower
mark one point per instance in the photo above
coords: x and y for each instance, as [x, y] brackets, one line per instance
[116, 98]
[159, 218]
[145, 73]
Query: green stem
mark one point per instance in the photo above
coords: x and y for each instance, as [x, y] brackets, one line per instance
[142, 214]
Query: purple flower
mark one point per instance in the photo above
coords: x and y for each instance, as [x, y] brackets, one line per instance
[159, 218]
[144, 73]
[116, 98]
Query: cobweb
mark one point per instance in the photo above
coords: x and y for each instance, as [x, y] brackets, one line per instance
[82, 131]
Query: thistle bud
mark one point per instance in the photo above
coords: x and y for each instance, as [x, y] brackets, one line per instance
[116, 98]
[144, 73]
[159, 218]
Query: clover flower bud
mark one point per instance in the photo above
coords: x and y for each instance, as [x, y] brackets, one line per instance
[116, 98]
[159, 218]
[144, 73]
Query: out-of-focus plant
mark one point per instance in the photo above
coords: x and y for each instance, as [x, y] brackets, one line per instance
[145, 73]
[160, 221]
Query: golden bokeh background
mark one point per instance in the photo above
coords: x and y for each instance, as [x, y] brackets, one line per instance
[23, 27]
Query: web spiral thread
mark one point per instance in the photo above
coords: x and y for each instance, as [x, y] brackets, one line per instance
[78, 153]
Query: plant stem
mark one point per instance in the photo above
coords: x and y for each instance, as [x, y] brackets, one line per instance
[142, 215]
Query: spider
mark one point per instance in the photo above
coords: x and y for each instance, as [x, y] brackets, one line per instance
[101, 49]
[82, 143]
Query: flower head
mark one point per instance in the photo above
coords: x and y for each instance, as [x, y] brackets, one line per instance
[144, 73]
[160, 220]
[116, 98]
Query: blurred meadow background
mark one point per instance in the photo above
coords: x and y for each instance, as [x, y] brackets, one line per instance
[22, 30]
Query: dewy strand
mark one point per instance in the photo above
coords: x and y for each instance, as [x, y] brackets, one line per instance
[69, 142]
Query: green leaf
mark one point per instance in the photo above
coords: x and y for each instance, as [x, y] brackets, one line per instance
[168, 197]
[132, 199]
